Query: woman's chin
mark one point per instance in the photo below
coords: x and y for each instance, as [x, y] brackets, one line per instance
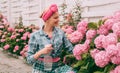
[56, 24]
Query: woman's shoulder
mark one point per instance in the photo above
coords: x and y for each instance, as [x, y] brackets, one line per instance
[36, 33]
[59, 30]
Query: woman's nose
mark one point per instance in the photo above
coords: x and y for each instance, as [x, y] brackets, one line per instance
[58, 19]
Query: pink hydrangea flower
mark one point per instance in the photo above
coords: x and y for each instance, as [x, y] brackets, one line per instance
[109, 39]
[102, 30]
[82, 26]
[69, 30]
[20, 30]
[21, 52]
[82, 30]
[78, 57]
[5, 33]
[94, 52]
[1, 26]
[107, 17]
[117, 69]
[24, 51]
[77, 51]
[85, 47]
[71, 27]
[2, 40]
[3, 36]
[75, 37]
[90, 34]
[117, 15]
[24, 54]
[116, 29]
[26, 47]
[10, 29]
[87, 41]
[16, 48]
[101, 59]
[64, 27]
[5, 21]
[118, 45]
[23, 38]
[6, 47]
[98, 41]
[13, 37]
[28, 35]
[80, 49]
[115, 59]
[17, 40]
[109, 23]
[111, 50]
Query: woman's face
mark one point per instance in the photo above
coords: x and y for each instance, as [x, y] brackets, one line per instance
[53, 20]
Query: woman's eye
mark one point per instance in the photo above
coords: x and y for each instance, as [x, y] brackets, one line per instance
[55, 18]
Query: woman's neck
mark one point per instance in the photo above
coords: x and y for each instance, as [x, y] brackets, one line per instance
[48, 28]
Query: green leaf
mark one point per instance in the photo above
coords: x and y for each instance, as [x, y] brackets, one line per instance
[92, 25]
[85, 55]
[70, 56]
[92, 44]
[86, 66]
[108, 68]
[79, 63]
[118, 39]
[9, 34]
[83, 71]
[100, 22]
[91, 64]
[98, 72]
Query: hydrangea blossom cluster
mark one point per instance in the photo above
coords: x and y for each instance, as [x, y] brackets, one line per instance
[107, 43]
[105, 38]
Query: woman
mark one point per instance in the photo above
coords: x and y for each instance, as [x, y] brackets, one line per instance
[45, 45]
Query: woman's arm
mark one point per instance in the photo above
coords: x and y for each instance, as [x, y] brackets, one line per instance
[67, 44]
[32, 54]
[32, 47]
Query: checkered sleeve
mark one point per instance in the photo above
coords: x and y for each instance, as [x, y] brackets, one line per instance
[67, 44]
[31, 50]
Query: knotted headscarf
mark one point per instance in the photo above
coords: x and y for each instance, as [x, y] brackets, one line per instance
[49, 12]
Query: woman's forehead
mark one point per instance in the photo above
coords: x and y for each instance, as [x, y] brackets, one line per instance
[55, 14]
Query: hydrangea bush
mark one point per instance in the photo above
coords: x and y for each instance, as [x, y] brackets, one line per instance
[15, 40]
[96, 45]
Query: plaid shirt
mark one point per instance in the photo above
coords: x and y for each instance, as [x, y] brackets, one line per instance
[39, 39]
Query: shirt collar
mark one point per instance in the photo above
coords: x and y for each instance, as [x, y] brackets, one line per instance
[44, 34]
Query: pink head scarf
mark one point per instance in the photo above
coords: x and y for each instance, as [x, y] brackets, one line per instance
[49, 12]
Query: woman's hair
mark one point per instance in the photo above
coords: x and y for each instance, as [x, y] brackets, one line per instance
[49, 12]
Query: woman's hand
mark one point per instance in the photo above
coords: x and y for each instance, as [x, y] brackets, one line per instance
[45, 50]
